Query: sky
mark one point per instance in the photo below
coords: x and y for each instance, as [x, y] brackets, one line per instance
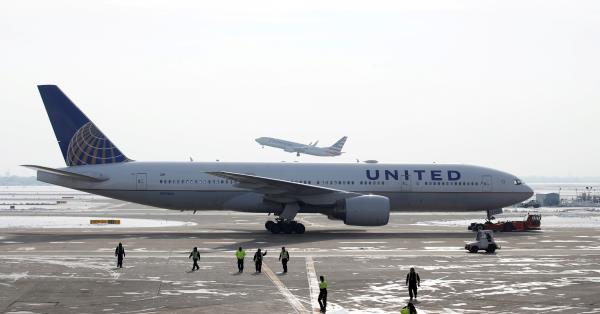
[512, 85]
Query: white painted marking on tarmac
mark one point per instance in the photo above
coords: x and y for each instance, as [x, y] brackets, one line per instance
[294, 302]
[14, 276]
[313, 287]
[362, 242]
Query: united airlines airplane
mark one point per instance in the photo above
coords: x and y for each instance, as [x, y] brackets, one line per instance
[310, 149]
[357, 194]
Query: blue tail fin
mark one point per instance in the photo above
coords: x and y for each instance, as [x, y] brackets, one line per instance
[80, 141]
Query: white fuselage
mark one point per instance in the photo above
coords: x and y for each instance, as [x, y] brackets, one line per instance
[187, 186]
[293, 147]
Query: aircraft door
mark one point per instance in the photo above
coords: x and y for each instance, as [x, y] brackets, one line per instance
[140, 181]
[405, 183]
[486, 183]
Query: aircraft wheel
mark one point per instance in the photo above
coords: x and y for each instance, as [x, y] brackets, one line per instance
[287, 228]
[299, 228]
[275, 228]
[269, 224]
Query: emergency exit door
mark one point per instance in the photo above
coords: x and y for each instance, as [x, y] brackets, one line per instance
[140, 181]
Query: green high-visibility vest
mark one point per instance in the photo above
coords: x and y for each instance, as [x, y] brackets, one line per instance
[240, 254]
[323, 285]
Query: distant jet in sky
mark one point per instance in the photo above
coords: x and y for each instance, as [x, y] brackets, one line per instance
[298, 148]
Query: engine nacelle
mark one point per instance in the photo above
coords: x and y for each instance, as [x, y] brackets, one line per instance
[365, 210]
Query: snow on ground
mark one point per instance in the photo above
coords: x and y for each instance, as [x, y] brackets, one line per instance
[30, 222]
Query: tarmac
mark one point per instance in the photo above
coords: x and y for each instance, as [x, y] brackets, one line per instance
[71, 268]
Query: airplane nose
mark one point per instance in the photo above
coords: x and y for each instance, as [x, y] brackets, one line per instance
[528, 190]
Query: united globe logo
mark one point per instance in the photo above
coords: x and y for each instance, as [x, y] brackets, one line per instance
[89, 146]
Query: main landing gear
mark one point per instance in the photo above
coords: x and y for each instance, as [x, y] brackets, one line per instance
[281, 226]
[285, 223]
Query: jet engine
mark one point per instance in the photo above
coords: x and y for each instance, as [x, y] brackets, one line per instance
[365, 210]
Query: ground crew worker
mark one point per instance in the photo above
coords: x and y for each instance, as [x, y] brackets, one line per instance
[284, 257]
[322, 294]
[258, 260]
[195, 256]
[412, 281]
[408, 309]
[120, 254]
[240, 254]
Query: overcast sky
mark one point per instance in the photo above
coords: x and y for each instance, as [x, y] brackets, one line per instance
[512, 85]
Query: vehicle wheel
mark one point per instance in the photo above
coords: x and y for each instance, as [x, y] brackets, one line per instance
[478, 227]
[275, 228]
[287, 228]
[473, 249]
[491, 249]
[299, 228]
[508, 227]
[269, 224]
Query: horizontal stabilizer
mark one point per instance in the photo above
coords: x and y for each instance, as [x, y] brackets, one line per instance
[67, 174]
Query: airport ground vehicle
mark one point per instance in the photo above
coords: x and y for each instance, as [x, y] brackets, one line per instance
[532, 203]
[483, 241]
[531, 222]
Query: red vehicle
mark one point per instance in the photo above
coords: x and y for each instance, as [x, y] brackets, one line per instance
[532, 222]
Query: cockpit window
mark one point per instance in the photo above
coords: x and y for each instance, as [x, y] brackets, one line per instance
[517, 181]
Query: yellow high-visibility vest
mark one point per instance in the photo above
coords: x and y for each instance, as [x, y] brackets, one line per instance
[240, 254]
[323, 285]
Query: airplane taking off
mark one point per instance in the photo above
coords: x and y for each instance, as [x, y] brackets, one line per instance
[298, 148]
[357, 193]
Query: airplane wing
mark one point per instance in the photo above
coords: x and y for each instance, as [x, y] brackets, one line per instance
[285, 191]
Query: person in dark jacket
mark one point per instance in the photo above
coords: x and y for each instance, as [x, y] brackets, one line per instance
[258, 256]
[120, 254]
[412, 281]
[195, 256]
